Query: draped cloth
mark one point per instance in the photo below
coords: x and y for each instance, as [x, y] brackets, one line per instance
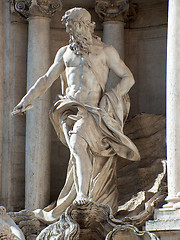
[102, 128]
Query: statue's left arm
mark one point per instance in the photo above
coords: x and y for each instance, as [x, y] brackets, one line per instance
[116, 64]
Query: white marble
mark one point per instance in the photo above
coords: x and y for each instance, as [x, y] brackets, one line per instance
[165, 220]
[83, 117]
[165, 214]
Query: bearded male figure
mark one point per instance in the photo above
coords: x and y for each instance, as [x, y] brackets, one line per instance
[87, 119]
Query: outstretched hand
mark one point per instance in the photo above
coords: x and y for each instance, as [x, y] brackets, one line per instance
[21, 108]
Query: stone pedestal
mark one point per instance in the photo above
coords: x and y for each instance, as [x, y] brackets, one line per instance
[166, 224]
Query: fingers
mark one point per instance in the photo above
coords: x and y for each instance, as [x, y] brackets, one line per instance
[20, 109]
[17, 110]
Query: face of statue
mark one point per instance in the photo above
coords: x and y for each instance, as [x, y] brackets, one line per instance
[80, 28]
[76, 29]
[77, 20]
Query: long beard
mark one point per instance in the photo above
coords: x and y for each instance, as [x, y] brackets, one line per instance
[80, 44]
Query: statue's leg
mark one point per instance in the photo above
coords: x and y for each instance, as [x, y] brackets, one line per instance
[79, 149]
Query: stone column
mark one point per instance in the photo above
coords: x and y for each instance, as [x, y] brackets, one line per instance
[13, 45]
[113, 34]
[37, 187]
[38, 126]
[173, 105]
[114, 14]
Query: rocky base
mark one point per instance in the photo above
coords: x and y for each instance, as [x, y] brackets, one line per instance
[19, 225]
[142, 185]
[92, 222]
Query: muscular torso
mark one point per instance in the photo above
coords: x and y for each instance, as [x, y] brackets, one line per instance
[86, 75]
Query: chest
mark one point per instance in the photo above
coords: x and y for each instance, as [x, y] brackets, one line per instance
[94, 59]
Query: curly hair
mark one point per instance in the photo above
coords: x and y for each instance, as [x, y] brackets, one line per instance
[81, 34]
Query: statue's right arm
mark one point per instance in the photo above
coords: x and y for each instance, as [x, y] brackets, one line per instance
[44, 82]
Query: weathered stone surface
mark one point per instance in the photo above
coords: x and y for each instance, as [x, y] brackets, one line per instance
[129, 232]
[45, 8]
[142, 185]
[27, 222]
[8, 229]
[94, 134]
[143, 44]
[165, 220]
[168, 235]
[173, 106]
[92, 221]
[6, 233]
[141, 189]
[167, 214]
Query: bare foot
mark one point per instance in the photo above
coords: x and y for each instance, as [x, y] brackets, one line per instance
[81, 199]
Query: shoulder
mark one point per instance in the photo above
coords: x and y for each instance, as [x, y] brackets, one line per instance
[60, 53]
[110, 51]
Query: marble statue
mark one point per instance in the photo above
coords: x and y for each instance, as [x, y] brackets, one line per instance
[87, 118]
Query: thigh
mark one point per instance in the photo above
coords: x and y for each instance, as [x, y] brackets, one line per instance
[78, 144]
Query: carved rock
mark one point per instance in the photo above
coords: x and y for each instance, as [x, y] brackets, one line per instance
[8, 229]
[142, 185]
[6, 233]
[92, 221]
[129, 232]
[27, 222]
